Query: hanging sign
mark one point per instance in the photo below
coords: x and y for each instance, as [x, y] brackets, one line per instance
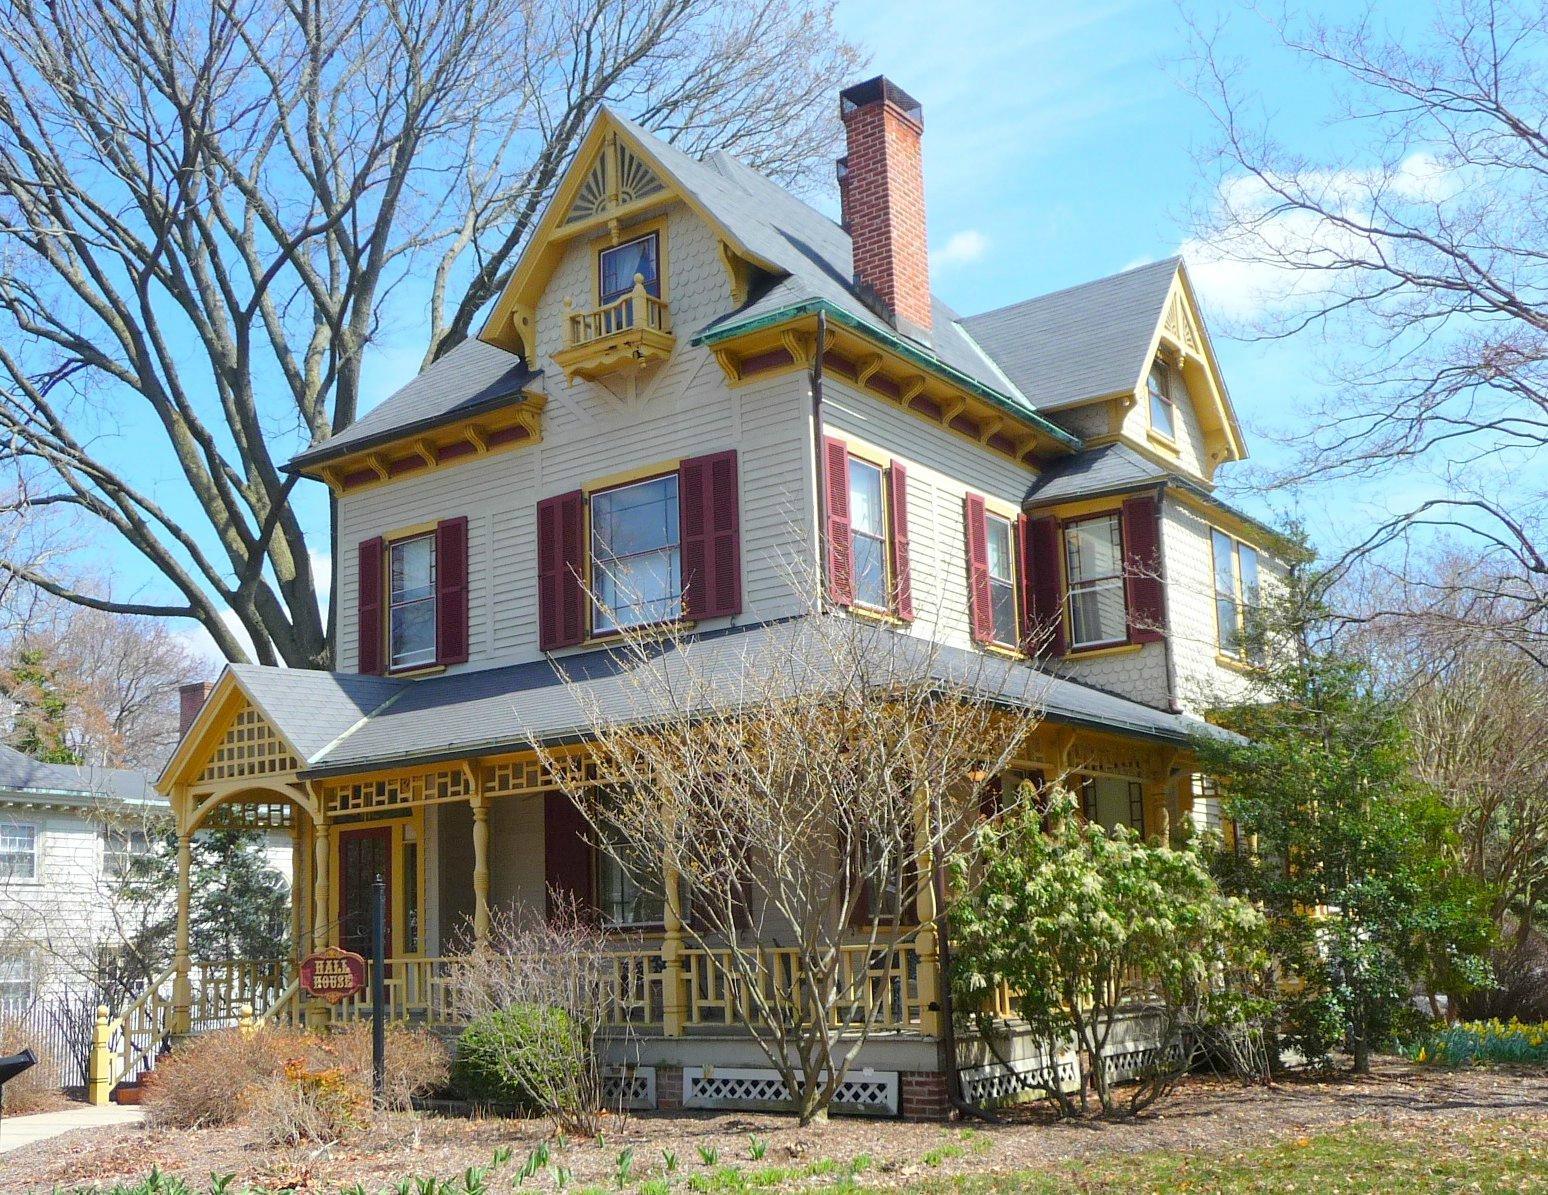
[333, 974]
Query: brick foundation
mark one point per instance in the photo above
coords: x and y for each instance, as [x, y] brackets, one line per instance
[922, 1095]
[669, 1088]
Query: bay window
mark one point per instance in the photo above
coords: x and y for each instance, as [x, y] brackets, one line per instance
[636, 554]
[1093, 556]
[411, 602]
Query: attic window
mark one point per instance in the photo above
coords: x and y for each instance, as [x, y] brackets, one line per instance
[1163, 413]
[617, 266]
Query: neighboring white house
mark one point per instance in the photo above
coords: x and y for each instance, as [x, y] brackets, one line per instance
[67, 836]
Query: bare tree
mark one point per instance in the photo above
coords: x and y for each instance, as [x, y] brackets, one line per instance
[1423, 261]
[208, 212]
[797, 785]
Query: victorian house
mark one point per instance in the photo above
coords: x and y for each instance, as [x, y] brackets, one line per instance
[639, 412]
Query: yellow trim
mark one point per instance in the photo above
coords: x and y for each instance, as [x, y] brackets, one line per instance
[879, 457]
[476, 431]
[1161, 441]
[886, 617]
[992, 507]
[874, 363]
[1112, 504]
[1091, 653]
[413, 531]
[1238, 663]
[998, 506]
[1231, 662]
[644, 473]
[396, 822]
[1237, 528]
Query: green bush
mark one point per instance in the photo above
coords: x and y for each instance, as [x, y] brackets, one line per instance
[517, 1056]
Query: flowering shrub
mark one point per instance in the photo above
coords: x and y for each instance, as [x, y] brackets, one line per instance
[1481, 1041]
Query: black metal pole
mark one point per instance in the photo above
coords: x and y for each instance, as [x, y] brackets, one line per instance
[378, 987]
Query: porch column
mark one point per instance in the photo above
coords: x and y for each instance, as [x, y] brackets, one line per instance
[1158, 817]
[297, 888]
[673, 1002]
[926, 943]
[182, 991]
[480, 870]
[322, 932]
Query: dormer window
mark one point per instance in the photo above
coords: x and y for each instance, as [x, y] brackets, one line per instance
[411, 602]
[617, 266]
[1163, 412]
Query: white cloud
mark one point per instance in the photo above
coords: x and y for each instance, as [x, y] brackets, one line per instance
[961, 248]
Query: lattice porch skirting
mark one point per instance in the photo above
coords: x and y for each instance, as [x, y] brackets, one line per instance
[864, 1092]
[632, 1087]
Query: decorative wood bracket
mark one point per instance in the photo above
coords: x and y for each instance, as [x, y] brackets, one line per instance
[867, 368]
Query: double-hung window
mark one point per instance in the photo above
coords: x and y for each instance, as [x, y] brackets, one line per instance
[636, 554]
[1163, 412]
[1236, 598]
[411, 602]
[868, 532]
[618, 264]
[18, 851]
[629, 888]
[1093, 561]
[18, 985]
[1002, 578]
[120, 848]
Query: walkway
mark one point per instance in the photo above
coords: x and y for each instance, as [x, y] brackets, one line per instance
[26, 1130]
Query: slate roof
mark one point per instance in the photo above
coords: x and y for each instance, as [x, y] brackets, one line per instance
[1108, 469]
[388, 722]
[471, 378]
[22, 774]
[315, 709]
[1082, 342]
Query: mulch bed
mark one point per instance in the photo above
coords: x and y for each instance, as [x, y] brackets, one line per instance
[1206, 1114]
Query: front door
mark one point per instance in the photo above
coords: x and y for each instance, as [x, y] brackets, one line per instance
[363, 855]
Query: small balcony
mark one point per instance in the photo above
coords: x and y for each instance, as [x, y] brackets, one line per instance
[630, 333]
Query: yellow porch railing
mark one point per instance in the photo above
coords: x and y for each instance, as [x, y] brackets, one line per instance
[637, 309]
[879, 982]
[220, 990]
[125, 1047]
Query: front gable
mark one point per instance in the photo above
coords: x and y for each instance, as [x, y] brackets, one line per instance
[615, 178]
[1182, 343]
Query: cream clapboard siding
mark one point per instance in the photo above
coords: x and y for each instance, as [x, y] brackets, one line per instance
[592, 431]
[942, 468]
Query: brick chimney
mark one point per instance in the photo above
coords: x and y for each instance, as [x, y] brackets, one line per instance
[881, 190]
[191, 700]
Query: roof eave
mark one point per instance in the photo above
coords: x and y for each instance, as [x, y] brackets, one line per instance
[898, 344]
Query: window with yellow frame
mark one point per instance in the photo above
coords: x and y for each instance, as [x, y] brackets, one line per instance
[1237, 598]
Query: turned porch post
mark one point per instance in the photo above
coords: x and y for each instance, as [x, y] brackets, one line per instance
[297, 888]
[673, 1002]
[926, 943]
[182, 991]
[480, 871]
[322, 931]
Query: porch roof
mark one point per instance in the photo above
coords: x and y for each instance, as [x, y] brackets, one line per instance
[386, 723]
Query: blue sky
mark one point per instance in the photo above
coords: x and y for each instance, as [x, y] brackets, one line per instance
[1058, 148]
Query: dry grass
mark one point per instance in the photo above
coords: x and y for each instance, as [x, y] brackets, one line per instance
[289, 1086]
[1208, 1119]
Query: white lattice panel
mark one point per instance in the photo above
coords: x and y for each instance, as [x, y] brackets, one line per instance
[1137, 1061]
[632, 1087]
[864, 1092]
[988, 1084]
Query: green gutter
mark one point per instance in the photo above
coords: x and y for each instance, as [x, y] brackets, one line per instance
[902, 347]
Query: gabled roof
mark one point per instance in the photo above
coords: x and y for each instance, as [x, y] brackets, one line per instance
[506, 708]
[1083, 342]
[22, 774]
[1107, 469]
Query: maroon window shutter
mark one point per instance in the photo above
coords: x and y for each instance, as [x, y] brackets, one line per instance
[451, 591]
[1142, 570]
[1045, 584]
[561, 561]
[567, 854]
[902, 579]
[368, 607]
[708, 505]
[840, 551]
[981, 615]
